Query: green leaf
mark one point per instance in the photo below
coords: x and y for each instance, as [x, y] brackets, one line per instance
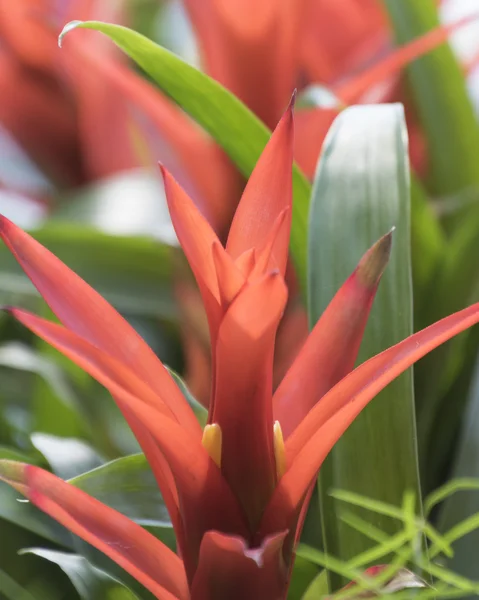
[439, 91]
[133, 274]
[465, 503]
[442, 398]
[68, 457]
[59, 399]
[16, 510]
[361, 190]
[13, 454]
[11, 590]
[90, 582]
[428, 249]
[127, 485]
[318, 588]
[236, 129]
[304, 572]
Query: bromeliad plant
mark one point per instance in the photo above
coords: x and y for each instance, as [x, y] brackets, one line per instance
[237, 492]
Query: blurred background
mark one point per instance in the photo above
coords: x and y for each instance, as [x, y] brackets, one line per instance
[81, 132]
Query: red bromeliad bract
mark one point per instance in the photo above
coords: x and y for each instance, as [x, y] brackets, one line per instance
[236, 492]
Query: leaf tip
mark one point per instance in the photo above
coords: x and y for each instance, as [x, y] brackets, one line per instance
[13, 473]
[4, 223]
[294, 95]
[373, 263]
[68, 27]
[162, 168]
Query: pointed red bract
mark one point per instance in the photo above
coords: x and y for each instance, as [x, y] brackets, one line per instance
[138, 552]
[333, 343]
[82, 310]
[243, 389]
[194, 234]
[97, 363]
[267, 194]
[229, 277]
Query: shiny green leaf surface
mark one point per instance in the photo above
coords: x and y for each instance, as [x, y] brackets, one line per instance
[90, 582]
[68, 457]
[318, 588]
[20, 512]
[464, 503]
[362, 190]
[127, 485]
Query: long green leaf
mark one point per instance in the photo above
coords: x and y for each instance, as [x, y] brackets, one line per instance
[465, 502]
[439, 90]
[11, 590]
[304, 572]
[318, 588]
[90, 582]
[27, 516]
[59, 400]
[68, 457]
[238, 131]
[127, 485]
[361, 190]
[443, 397]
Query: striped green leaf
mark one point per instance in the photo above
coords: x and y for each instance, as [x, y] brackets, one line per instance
[362, 190]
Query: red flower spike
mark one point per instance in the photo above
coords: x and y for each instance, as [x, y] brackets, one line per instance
[267, 194]
[333, 343]
[238, 494]
[243, 389]
[138, 552]
[85, 312]
[244, 572]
